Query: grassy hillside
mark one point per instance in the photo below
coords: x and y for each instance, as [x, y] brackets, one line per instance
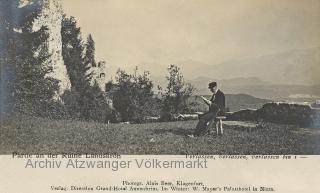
[36, 135]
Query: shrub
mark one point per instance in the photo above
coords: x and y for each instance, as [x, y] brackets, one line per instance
[133, 98]
[175, 98]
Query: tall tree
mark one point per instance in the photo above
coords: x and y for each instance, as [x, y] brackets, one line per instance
[84, 101]
[73, 55]
[23, 55]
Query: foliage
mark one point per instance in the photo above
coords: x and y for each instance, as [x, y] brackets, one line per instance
[90, 106]
[70, 99]
[25, 86]
[95, 106]
[72, 52]
[84, 101]
[89, 59]
[134, 97]
[177, 93]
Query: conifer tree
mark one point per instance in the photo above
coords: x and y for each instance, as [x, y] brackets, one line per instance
[90, 52]
[23, 58]
[73, 55]
[89, 102]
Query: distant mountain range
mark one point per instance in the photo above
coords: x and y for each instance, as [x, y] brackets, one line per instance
[295, 67]
[255, 87]
[234, 102]
[261, 89]
[292, 75]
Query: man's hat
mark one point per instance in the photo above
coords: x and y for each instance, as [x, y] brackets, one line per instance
[212, 84]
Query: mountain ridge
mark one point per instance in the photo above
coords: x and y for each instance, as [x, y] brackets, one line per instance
[297, 66]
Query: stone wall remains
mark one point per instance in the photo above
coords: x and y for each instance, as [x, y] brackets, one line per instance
[51, 17]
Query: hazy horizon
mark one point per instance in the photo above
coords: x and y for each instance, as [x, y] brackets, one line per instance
[156, 33]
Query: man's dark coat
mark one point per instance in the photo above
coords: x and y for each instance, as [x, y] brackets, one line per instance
[218, 101]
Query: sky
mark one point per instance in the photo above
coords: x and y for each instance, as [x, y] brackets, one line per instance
[132, 32]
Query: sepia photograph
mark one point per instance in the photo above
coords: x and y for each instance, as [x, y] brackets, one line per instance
[159, 96]
[160, 77]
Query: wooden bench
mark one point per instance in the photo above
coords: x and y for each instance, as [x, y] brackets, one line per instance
[216, 124]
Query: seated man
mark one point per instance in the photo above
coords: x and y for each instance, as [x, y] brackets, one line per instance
[216, 106]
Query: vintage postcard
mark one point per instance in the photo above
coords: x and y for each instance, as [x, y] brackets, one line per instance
[160, 96]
